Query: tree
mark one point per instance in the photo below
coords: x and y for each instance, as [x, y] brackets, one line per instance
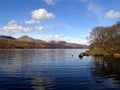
[105, 40]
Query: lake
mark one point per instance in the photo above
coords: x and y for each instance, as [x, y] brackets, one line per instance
[56, 69]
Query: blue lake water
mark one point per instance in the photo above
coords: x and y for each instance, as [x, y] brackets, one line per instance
[57, 69]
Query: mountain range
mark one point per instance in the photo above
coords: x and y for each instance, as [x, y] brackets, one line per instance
[9, 42]
[7, 37]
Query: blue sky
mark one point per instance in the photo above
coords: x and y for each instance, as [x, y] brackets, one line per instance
[69, 20]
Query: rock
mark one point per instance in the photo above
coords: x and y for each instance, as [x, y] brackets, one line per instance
[81, 55]
[87, 53]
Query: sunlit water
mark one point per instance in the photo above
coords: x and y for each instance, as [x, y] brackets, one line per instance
[56, 69]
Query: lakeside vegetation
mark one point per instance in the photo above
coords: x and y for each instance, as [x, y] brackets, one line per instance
[105, 40]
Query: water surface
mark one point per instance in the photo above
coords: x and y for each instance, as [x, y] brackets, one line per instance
[56, 69]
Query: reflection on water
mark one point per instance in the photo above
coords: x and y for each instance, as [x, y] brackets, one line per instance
[33, 69]
[40, 83]
[106, 70]
[12, 61]
[56, 69]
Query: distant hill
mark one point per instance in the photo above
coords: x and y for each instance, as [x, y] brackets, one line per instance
[75, 45]
[7, 37]
[26, 39]
[29, 39]
[28, 42]
[71, 45]
[58, 42]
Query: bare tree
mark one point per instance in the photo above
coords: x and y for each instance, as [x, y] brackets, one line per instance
[105, 40]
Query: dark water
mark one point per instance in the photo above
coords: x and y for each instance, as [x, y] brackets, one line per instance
[57, 69]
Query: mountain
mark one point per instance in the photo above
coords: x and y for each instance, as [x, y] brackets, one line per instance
[29, 39]
[75, 45]
[28, 42]
[67, 44]
[58, 42]
[26, 39]
[7, 37]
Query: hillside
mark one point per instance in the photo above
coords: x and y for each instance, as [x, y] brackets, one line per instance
[29, 39]
[7, 37]
[28, 42]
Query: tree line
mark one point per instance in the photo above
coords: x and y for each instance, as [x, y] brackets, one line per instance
[105, 40]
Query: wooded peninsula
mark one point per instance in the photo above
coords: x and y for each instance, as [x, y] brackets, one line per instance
[105, 40]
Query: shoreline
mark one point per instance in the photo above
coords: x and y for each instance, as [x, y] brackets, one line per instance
[89, 53]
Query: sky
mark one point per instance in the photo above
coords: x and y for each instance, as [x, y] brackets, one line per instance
[68, 20]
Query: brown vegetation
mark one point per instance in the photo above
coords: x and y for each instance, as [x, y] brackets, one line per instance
[105, 40]
[12, 44]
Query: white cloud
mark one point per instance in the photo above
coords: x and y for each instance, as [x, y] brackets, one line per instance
[68, 28]
[42, 14]
[112, 14]
[91, 7]
[49, 2]
[42, 28]
[12, 26]
[56, 37]
[62, 37]
[32, 21]
[96, 10]
[79, 40]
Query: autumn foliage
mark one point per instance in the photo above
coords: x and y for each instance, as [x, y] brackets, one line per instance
[105, 40]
